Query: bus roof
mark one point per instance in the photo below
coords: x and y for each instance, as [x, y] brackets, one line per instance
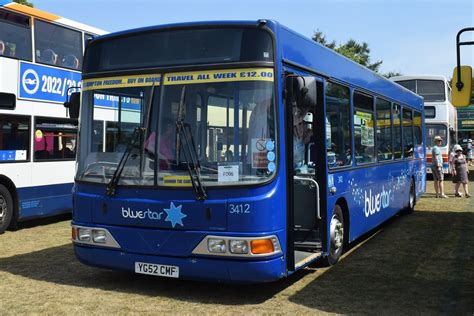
[317, 58]
[19, 8]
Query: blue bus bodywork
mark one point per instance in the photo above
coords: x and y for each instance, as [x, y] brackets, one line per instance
[165, 226]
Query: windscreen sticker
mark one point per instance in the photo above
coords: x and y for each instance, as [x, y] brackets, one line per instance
[228, 173]
[177, 181]
[259, 153]
[121, 82]
[224, 75]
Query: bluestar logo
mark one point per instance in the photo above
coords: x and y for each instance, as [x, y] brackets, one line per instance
[375, 203]
[128, 213]
[173, 214]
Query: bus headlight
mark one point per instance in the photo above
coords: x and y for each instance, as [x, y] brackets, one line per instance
[93, 236]
[239, 246]
[84, 234]
[216, 245]
[99, 236]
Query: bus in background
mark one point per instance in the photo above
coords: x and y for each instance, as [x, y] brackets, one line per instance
[241, 161]
[440, 115]
[40, 59]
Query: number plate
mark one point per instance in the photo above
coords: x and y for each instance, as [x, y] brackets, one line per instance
[157, 269]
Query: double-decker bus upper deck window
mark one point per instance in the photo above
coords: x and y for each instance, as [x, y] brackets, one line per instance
[15, 35]
[179, 47]
[409, 84]
[431, 90]
[364, 128]
[58, 46]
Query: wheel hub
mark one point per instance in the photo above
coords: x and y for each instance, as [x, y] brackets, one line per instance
[337, 233]
[3, 208]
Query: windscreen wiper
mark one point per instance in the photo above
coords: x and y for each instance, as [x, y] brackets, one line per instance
[184, 136]
[137, 132]
[112, 185]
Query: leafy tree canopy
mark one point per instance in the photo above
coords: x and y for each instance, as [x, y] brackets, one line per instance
[24, 2]
[358, 52]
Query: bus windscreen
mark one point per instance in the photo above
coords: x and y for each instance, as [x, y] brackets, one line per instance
[179, 47]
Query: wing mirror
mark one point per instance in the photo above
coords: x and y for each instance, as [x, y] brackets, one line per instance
[73, 103]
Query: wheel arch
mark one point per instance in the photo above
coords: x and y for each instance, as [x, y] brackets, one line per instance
[8, 183]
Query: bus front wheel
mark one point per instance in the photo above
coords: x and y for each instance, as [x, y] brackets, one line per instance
[336, 236]
[6, 208]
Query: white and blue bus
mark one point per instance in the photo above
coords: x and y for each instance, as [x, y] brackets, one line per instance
[440, 115]
[40, 59]
[251, 152]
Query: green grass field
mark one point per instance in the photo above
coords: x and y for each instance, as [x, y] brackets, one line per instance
[422, 263]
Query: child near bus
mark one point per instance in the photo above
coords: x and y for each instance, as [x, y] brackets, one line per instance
[437, 168]
[460, 172]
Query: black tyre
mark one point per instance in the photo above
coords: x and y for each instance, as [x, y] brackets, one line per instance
[6, 208]
[337, 236]
[411, 199]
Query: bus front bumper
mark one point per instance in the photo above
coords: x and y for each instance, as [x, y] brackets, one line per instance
[191, 268]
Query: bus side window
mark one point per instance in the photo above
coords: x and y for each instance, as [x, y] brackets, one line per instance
[384, 129]
[338, 125]
[364, 128]
[58, 45]
[14, 138]
[15, 35]
[397, 131]
[55, 139]
[408, 132]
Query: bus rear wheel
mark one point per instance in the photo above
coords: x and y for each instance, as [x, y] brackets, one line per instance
[336, 236]
[6, 208]
[411, 199]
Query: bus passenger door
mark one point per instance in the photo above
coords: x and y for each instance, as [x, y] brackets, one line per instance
[304, 102]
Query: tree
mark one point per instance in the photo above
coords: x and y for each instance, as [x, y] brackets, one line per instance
[24, 2]
[391, 74]
[360, 53]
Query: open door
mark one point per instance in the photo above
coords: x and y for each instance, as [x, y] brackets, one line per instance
[304, 132]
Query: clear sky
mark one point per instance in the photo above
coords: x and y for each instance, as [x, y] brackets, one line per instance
[410, 36]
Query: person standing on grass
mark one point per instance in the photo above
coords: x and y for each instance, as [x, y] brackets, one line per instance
[460, 172]
[469, 151]
[437, 168]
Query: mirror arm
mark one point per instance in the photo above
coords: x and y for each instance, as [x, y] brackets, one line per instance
[459, 83]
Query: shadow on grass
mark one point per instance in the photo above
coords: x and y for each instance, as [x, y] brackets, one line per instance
[422, 263]
[59, 265]
[43, 221]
